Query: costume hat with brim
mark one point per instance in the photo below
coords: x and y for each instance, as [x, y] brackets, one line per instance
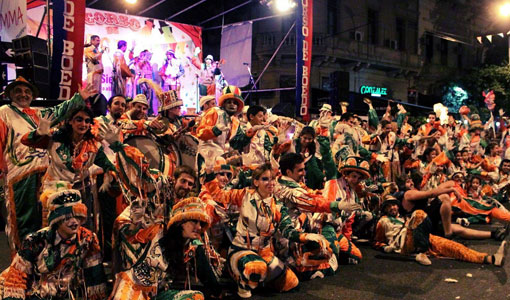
[189, 209]
[21, 81]
[389, 200]
[232, 92]
[204, 99]
[357, 164]
[326, 107]
[66, 203]
[140, 98]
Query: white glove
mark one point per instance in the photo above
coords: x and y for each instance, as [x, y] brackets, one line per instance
[389, 249]
[44, 125]
[110, 133]
[381, 158]
[107, 183]
[348, 207]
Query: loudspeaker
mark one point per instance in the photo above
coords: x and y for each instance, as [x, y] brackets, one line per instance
[339, 87]
[29, 58]
[38, 76]
[31, 43]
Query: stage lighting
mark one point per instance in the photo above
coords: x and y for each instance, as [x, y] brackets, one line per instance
[504, 10]
[131, 1]
[281, 6]
[284, 5]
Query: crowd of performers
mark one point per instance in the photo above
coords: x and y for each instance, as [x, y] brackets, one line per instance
[130, 71]
[174, 207]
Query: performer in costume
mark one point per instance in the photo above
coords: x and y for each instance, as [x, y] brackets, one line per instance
[93, 56]
[207, 74]
[251, 257]
[395, 233]
[121, 70]
[57, 261]
[143, 70]
[24, 165]
[171, 72]
[72, 149]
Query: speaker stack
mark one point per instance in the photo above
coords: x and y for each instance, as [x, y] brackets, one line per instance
[31, 60]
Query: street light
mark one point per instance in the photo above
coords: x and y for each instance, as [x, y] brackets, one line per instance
[131, 1]
[504, 10]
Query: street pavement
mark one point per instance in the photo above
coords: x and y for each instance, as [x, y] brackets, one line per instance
[381, 276]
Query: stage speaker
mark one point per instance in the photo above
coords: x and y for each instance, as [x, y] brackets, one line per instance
[38, 76]
[339, 87]
[30, 58]
[31, 43]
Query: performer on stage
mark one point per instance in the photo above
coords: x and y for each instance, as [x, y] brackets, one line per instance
[120, 69]
[93, 56]
[143, 69]
[206, 79]
[171, 72]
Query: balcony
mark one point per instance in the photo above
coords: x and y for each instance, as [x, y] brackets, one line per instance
[343, 51]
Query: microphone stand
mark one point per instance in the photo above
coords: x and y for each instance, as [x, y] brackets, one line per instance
[252, 82]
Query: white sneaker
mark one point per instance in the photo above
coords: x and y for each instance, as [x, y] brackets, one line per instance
[422, 259]
[245, 294]
[499, 256]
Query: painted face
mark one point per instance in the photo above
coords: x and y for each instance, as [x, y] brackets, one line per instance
[22, 96]
[223, 178]
[192, 229]
[265, 184]
[81, 123]
[183, 185]
[353, 178]
[139, 111]
[258, 119]
[298, 173]
[117, 107]
[69, 227]
[230, 106]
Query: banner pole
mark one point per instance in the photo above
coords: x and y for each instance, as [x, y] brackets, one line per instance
[48, 41]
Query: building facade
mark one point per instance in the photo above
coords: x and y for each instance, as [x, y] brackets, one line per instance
[403, 50]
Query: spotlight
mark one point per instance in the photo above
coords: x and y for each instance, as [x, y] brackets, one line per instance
[131, 1]
[284, 5]
[281, 6]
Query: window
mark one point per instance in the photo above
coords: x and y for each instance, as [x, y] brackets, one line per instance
[412, 36]
[373, 26]
[401, 34]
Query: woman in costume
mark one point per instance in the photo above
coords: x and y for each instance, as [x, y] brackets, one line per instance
[251, 257]
[73, 149]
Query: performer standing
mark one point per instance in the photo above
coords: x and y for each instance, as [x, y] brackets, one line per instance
[143, 69]
[206, 79]
[171, 72]
[93, 56]
[24, 165]
[120, 69]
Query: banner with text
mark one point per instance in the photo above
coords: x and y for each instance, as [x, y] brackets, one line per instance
[304, 33]
[67, 58]
[12, 19]
[155, 36]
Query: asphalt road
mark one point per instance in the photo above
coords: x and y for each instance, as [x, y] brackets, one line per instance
[381, 276]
